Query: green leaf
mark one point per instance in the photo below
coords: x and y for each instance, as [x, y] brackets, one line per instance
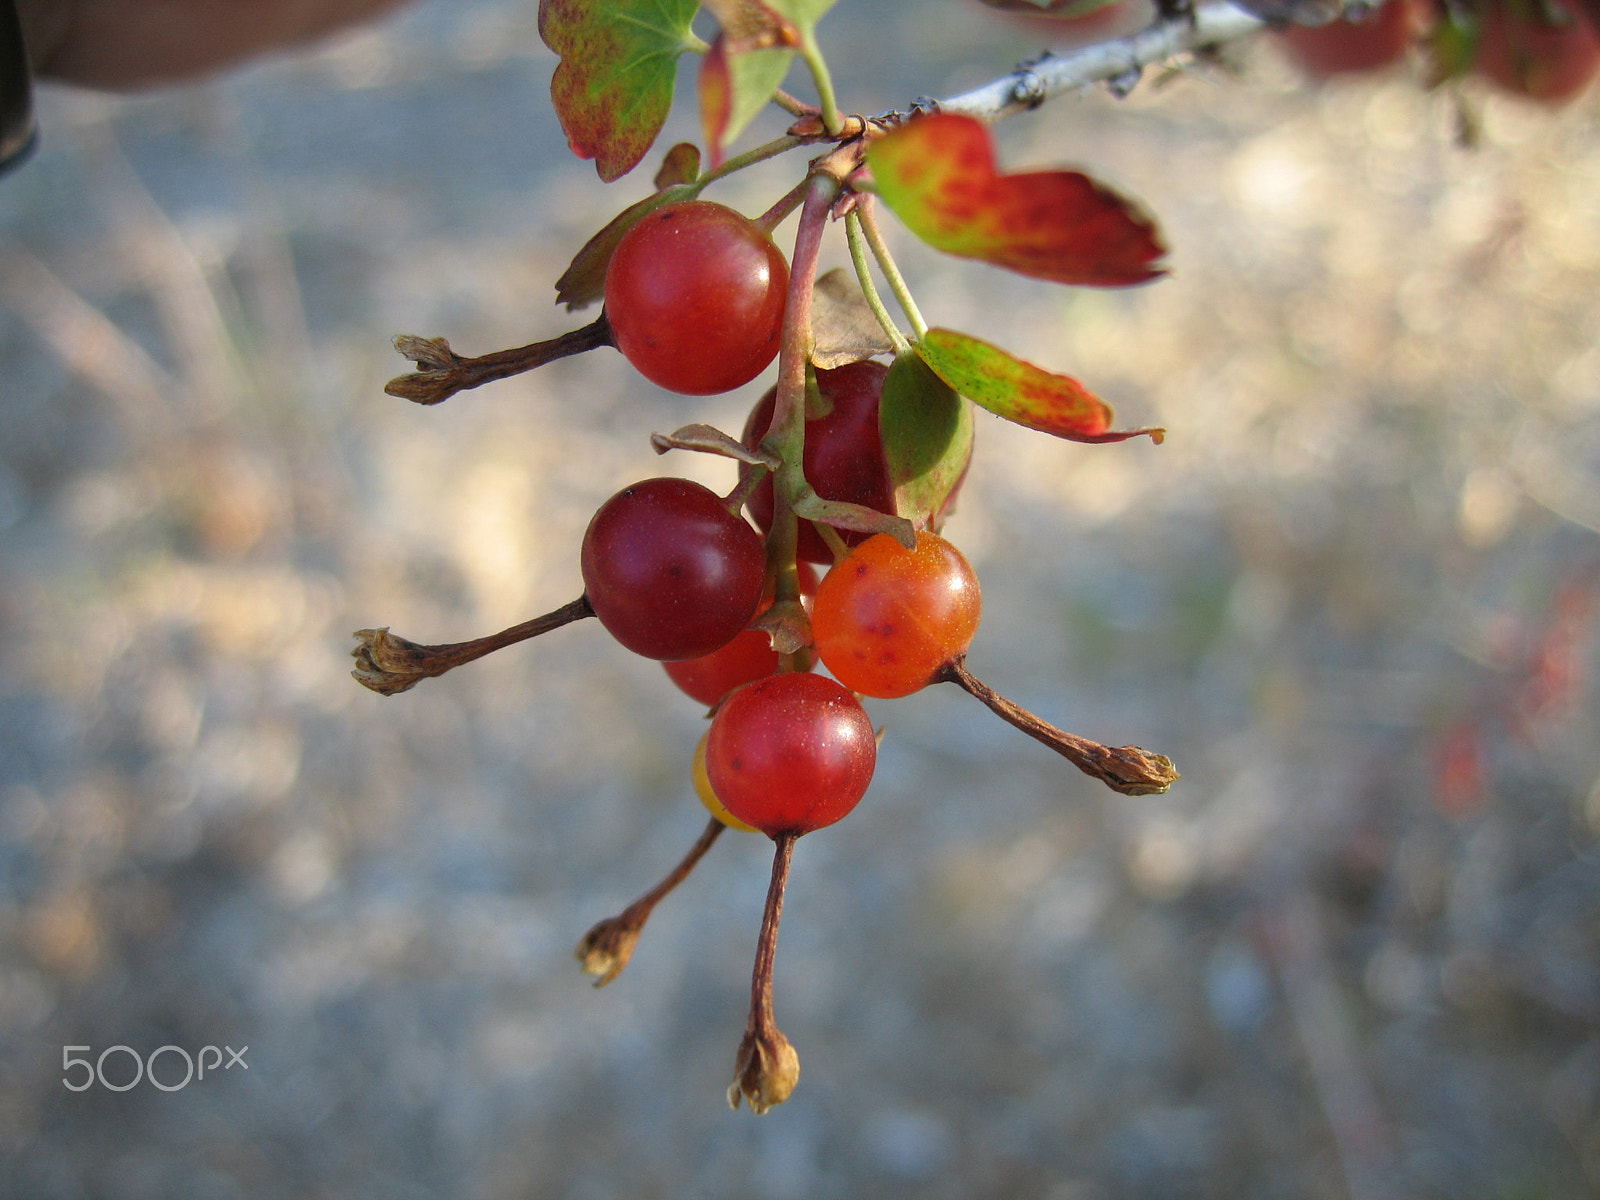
[1021, 392]
[804, 13]
[927, 439]
[937, 172]
[613, 87]
[736, 85]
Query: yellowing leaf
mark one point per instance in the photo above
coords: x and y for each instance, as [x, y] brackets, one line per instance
[1021, 392]
[613, 87]
[736, 85]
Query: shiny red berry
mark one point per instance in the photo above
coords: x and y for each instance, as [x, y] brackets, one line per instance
[669, 571]
[790, 753]
[695, 296]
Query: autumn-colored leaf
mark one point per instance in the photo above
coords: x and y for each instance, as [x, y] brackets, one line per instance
[751, 24]
[613, 87]
[749, 20]
[927, 439]
[681, 164]
[844, 328]
[938, 174]
[1021, 392]
[735, 85]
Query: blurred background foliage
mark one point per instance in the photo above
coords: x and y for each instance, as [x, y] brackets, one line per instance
[1354, 953]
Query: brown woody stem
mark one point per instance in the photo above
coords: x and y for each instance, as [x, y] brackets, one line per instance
[606, 949]
[761, 1018]
[1125, 769]
[444, 372]
[766, 1067]
[389, 664]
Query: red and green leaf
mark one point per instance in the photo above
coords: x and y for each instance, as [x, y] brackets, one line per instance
[938, 174]
[927, 439]
[613, 87]
[1021, 392]
[735, 85]
[748, 61]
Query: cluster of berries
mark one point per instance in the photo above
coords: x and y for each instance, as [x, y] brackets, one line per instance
[1546, 51]
[734, 606]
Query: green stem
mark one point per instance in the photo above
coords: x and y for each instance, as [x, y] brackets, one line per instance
[835, 543]
[827, 104]
[755, 154]
[858, 256]
[886, 263]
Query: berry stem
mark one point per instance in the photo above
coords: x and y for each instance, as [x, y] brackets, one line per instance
[773, 217]
[858, 256]
[605, 950]
[761, 1017]
[1125, 769]
[747, 158]
[766, 1067]
[444, 372]
[891, 272]
[389, 664]
[835, 543]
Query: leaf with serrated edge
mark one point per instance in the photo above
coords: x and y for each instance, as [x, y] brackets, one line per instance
[938, 175]
[927, 439]
[843, 327]
[1021, 392]
[584, 280]
[613, 87]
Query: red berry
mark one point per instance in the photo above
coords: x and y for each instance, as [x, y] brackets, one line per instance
[749, 656]
[1549, 54]
[886, 619]
[790, 753]
[712, 676]
[695, 295]
[669, 571]
[1382, 35]
[843, 457]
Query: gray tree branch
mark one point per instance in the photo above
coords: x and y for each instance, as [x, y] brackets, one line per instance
[1121, 60]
